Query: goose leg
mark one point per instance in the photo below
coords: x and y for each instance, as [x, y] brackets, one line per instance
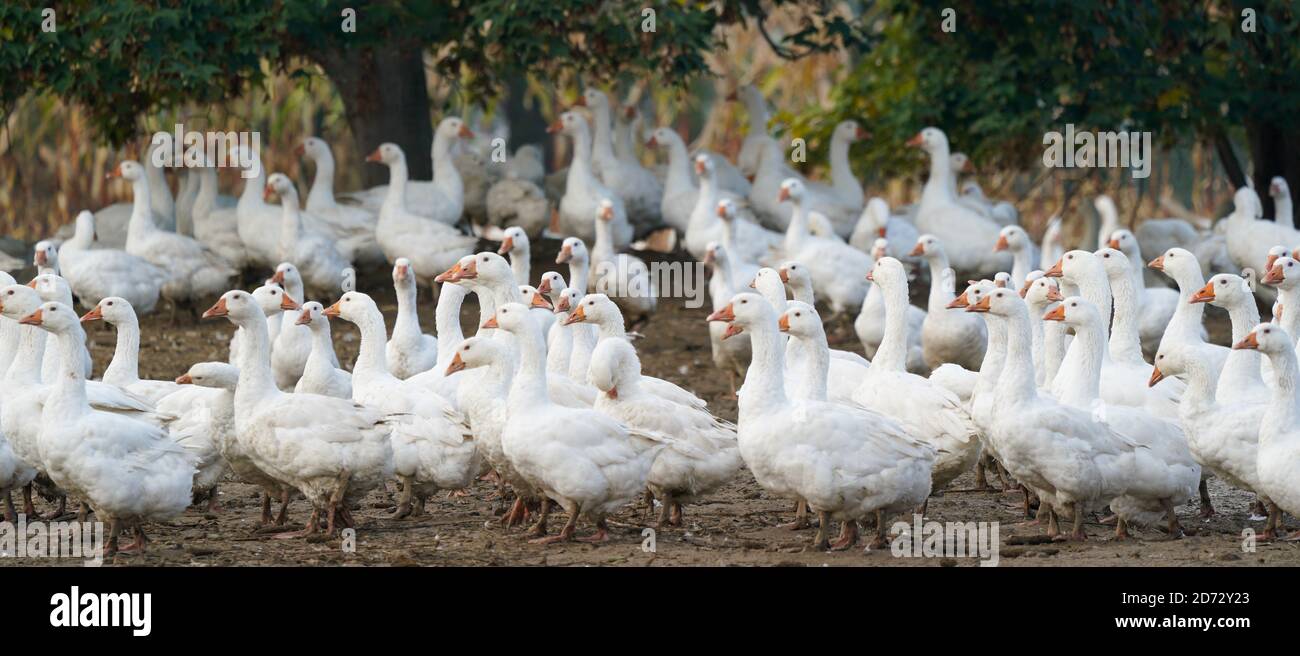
[1175, 529]
[649, 499]
[1274, 519]
[566, 533]
[337, 499]
[214, 503]
[284, 508]
[848, 536]
[1029, 507]
[820, 542]
[800, 517]
[266, 508]
[731, 375]
[110, 546]
[418, 510]
[981, 479]
[63, 508]
[403, 509]
[1053, 523]
[676, 518]
[1121, 529]
[1207, 506]
[138, 543]
[11, 513]
[29, 508]
[539, 528]
[1077, 533]
[601, 535]
[313, 523]
[82, 511]
[665, 508]
[880, 541]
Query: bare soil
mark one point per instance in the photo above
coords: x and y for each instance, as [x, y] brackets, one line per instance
[736, 526]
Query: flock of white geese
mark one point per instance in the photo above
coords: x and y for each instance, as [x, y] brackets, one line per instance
[1041, 374]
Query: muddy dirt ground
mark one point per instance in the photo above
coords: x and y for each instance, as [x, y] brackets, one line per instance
[736, 526]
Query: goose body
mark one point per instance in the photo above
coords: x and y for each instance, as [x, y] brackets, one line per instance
[97, 273]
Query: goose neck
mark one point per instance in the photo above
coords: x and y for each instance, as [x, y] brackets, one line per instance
[1282, 212]
[579, 271]
[1125, 337]
[371, 358]
[28, 357]
[841, 172]
[679, 170]
[797, 232]
[321, 193]
[521, 266]
[810, 360]
[397, 175]
[891, 355]
[207, 196]
[141, 222]
[1090, 344]
[68, 395]
[124, 369]
[765, 379]
[290, 227]
[529, 387]
[406, 326]
[445, 175]
[446, 320]
[1283, 411]
[1016, 383]
[256, 380]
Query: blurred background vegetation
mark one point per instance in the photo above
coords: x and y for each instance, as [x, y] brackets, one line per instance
[1220, 101]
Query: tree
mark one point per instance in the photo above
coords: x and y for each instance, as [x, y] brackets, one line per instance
[1015, 69]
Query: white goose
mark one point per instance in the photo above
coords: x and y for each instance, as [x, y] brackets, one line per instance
[838, 270]
[204, 407]
[1187, 323]
[624, 278]
[729, 355]
[313, 251]
[432, 447]
[352, 227]
[127, 470]
[1023, 252]
[707, 221]
[583, 191]
[965, 231]
[114, 221]
[402, 232]
[947, 336]
[193, 271]
[291, 343]
[870, 324]
[584, 460]
[441, 200]
[1279, 434]
[846, 462]
[1239, 380]
[321, 374]
[703, 454]
[409, 350]
[876, 222]
[640, 191]
[124, 369]
[97, 273]
[1249, 237]
[216, 219]
[1281, 193]
[515, 243]
[1157, 303]
[329, 449]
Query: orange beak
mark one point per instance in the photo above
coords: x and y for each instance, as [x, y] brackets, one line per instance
[456, 364]
[1113, 243]
[94, 315]
[465, 133]
[278, 278]
[218, 310]
[545, 287]
[1268, 264]
[333, 310]
[287, 303]
[506, 244]
[540, 301]
[1055, 314]
[562, 305]
[555, 127]
[41, 258]
[732, 97]
[629, 111]
[960, 301]
[612, 393]
[871, 275]
[862, 134]
[400, 271]
[1274, 276]
[1057, 269]
[184, 379]
[566, 254]
[303, 319]
[918, 250]
[580, 102]
[607, 213]
[450, 275]
[32, 283]
[576, 316]
[880, 232]
[652, 142]
[268, 192]
[709, 257]
[1054, 294]
[1204, 294]
[699, 167]
[722, 211]
[115, 173]
[753, 284]
[783, 195]
[491, 323]
[1156, 376]
[1158, 264]
[375, 156]
[784, 323]
[300, 150]
[981, 306]
[785, 277]
[1024, 289]
[33, 319]
[916, 140]
[1249, 342]
[1002, 244]
[725, 314]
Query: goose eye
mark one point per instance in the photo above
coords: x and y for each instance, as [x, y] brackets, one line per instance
[110, 304]
[742, 302]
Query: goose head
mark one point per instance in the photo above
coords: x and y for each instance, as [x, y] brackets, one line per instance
[452, 127]
[745, 311]
[1124, 241]
[534, 298]
[51, 316]
[312, 313]
[875, 216]
[849, 132]
[114, 310]
[1224, 290]
[795, 275]
[352, 306]
[243, 308]
[85, 226]
[1041, 292]
[596, 309]
[972, 189]
[1246, 204]
[1075, 312]
[515, 242]
[1177, 263]
[403, 273]
[52, 287]
[663, 138]
[45, 256]
[975, 290]
[387, 153]
[791, 190]
[1000, 303]
[1114, 262]
[959, 162]
[573, 251]
[279, 184]
[888, 273]
[928, 246]
[474, 352]
[1278, 188]
[551, 285]
[932, 140]
[801, 320]
[768, 283]
[287, 276]
[1173, 359]
[1105, 207]
[605, 210]
[568, 300]
[569, 123]
[1012, 238]
[314, 148]
[512, 318]
[712, 251]
[704, 166]
[1076, 266]
[127, 169]
[593, 99]
[879, 248]
[1274, 253]
[1267, 338]
[726, 209]
[1284, 274]
[217, 375]
[18, 301]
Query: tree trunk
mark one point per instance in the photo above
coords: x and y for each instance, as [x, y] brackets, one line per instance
[1273, 153]
[385, 98]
